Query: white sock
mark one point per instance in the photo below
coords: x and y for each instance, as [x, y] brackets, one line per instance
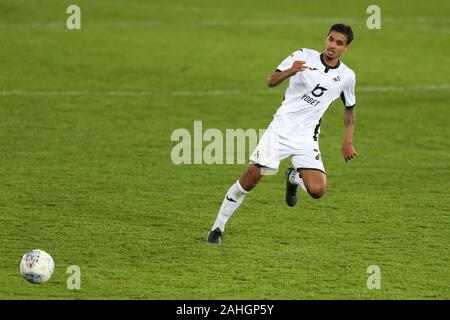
[295, 178]
[231, 202]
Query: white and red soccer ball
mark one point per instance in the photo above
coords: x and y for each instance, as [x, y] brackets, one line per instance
[37, 266]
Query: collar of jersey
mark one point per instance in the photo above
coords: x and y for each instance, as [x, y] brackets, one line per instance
[327, 66]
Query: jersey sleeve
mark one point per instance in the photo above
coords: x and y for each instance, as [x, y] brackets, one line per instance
[348, 94]
[287, 63]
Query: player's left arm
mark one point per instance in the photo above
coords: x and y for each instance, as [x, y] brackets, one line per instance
[348, 151]
[349, 99]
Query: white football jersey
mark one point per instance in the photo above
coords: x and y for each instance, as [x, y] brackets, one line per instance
[309, 94]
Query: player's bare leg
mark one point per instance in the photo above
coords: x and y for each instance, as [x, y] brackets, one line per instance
[233, 200]
[251, 177]
[315, 182]
[311, 181]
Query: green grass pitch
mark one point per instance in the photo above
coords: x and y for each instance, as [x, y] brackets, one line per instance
[86, 175]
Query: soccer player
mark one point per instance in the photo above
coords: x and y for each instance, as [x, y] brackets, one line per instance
[315, 81]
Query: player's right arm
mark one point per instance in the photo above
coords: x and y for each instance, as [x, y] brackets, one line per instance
[279, 76]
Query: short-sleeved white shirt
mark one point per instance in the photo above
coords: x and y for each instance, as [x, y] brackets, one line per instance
[308, 96]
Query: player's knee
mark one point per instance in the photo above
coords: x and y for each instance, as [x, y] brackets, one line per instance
[317, 191]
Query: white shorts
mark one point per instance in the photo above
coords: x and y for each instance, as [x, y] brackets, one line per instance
[272, 148]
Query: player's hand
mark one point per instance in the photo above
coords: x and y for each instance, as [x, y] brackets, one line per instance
[348, 151]
[298, 66]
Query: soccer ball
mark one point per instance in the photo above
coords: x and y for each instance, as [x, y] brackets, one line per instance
[37, 266]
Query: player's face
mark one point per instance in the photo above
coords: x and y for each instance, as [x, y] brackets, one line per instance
[335, 45]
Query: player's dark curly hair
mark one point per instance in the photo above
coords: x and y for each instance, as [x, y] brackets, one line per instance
[344, 29]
